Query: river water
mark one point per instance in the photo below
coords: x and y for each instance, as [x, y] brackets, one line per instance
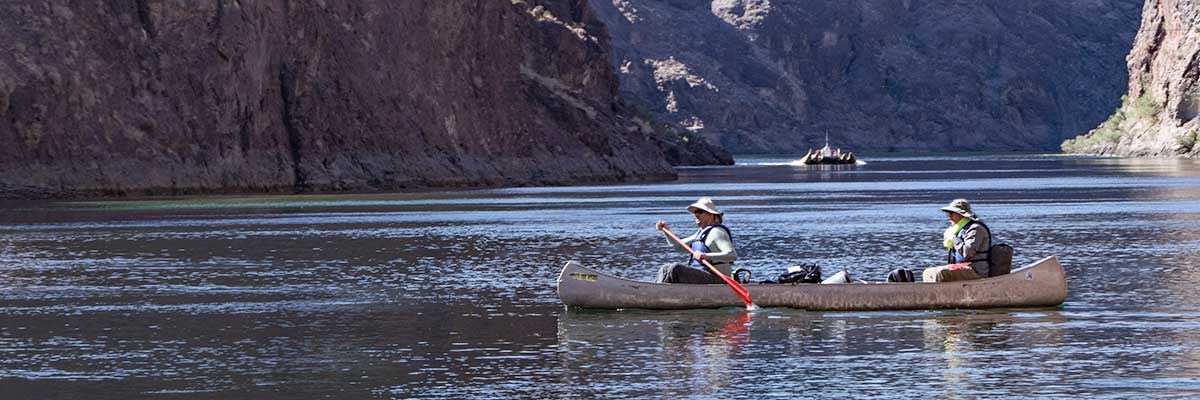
[452, 294]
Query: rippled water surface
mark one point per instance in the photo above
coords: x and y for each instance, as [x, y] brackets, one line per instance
[451, 294]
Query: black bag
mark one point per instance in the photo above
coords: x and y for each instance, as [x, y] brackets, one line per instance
[1000, 259]
[742, 276]
[808, 273]
[900, 275]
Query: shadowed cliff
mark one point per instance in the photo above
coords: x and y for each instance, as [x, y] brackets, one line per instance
[877, 75]
[151, 97]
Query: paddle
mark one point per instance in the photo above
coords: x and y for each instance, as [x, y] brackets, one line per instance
[956, 267]
[738, 289]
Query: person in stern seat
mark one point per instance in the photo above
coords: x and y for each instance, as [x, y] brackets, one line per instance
[712, 242]
[967, 239]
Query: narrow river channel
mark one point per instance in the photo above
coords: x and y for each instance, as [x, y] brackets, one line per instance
[452, 294]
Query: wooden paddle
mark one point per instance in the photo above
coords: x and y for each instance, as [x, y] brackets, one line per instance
[738, 289]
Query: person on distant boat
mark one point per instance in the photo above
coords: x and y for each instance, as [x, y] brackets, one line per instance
[967, 239]
[712, 242]
[826, 152]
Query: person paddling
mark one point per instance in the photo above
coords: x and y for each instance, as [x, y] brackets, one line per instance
[712, 242]
[966, 240]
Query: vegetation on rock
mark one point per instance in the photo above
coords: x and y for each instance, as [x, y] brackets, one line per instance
[1142, 109]
[1187, 142]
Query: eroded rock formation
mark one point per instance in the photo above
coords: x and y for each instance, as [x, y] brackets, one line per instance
[890, 75]
[155, 97]
[1160, 114]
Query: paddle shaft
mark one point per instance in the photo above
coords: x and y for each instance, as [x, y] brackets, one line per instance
[737, 288]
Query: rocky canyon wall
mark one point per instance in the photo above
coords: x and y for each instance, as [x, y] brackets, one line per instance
[876, 75]
[1160, 114]
[126, 97]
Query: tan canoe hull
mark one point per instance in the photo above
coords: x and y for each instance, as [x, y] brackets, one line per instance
[1040, 284]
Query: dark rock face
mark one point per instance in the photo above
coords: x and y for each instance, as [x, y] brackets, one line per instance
[153, 97]
[891, 75]
[1160, 116]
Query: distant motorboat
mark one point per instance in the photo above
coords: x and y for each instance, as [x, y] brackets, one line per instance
[827, 155]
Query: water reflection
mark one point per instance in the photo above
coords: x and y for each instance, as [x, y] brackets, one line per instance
[719, 351]
[973, 347]
[691, 355]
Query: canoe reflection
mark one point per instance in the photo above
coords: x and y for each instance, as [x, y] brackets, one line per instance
[697, 349]
[974, 347]
[909, 354]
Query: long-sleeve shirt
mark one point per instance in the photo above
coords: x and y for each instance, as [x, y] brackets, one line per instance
[972, 245]
[720, 253]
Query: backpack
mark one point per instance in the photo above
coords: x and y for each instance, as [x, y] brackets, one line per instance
[1000, 259]
[900, 275]
[808, 273]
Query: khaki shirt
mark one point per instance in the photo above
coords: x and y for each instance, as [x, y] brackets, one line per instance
[972, 243]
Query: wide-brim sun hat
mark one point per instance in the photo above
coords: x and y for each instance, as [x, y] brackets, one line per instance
[705, 204]
[961, 207]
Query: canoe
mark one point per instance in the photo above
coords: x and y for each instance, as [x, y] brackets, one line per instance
[1040, 284]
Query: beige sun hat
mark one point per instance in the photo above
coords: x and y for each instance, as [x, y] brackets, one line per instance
[705, 204]
[961, 207]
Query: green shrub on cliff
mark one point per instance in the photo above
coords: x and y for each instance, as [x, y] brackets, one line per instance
[1187, 141]
[1107, 132]
[1144, 108]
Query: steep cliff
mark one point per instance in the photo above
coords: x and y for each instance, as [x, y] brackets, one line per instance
[890, 75]
[155, 97]
[1160, 114]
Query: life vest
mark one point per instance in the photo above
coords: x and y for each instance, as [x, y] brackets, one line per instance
[700, 246]
[955, 258]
